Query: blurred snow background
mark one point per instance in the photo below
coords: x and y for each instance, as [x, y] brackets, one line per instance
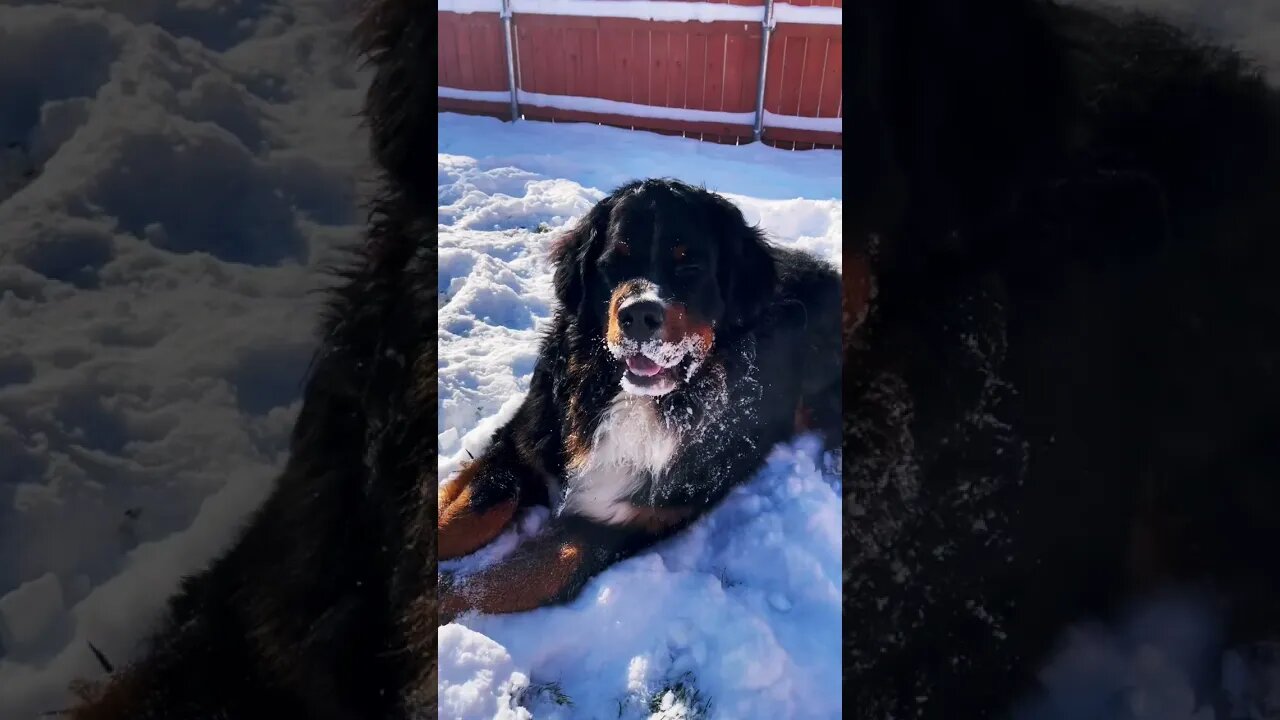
[172, 176]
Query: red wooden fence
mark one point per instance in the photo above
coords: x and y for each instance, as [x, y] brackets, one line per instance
[693, 65]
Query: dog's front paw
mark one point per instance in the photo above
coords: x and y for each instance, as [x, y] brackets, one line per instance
[475, 507]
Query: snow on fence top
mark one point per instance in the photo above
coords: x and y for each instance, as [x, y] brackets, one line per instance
[610, 107]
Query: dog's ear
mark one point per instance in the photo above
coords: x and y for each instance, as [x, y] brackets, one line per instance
[572, 252]
[747, 273]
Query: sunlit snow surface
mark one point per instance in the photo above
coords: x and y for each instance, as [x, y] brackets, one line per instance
[173, 175]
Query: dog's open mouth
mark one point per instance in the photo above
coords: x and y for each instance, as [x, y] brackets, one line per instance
[643, 376]
[641, 366]
[656, 367]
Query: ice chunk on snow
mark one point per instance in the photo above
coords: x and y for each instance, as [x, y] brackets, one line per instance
[28, 611]
[478, 680]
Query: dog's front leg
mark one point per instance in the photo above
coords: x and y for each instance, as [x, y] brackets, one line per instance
[474, 508]
[482, 499]
[547, 569]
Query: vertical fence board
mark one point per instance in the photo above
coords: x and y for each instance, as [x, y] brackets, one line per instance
[531, 81]
[475, 34]
[734, 72]
[487, 55]
[773, 73]
[447, 53]
[793, 62]
[515, 55]
[832, 87]
[559, 54]
[466, 55]
[549, 78]
[613, 71]
[717, 47]
[582, 48]
[659, 58]
[528, 71]
[641, 69]
[678, 45]
[749, 61]
[571, 55]
[812, 80]
[696, 63]
[487, 71]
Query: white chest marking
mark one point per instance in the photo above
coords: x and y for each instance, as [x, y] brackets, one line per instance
[628, 446]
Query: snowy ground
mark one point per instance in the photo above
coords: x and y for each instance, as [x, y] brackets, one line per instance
[741, 613]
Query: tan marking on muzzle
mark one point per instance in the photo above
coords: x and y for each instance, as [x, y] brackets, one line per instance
[679, 323]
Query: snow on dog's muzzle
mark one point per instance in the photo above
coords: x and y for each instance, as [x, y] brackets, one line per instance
[658, 341]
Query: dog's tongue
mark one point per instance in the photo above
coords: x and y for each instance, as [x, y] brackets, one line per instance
[643, 366]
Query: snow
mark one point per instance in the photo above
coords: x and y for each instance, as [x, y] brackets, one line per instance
[174, 176]
[662, 10]
[743, 609]
[797, 122]
[466, 7]
[807, 14]
[476, 678]
[615, 107]
[29, 611]
[1136, 669]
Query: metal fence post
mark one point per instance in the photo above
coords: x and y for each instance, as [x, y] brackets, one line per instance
[511, 65]
[757, 132]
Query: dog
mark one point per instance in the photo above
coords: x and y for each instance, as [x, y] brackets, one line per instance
[683, 347]
[1061, 376]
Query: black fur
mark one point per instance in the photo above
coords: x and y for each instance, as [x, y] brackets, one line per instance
[1064, 396]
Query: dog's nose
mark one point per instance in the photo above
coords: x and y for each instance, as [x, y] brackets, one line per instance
[640, 320]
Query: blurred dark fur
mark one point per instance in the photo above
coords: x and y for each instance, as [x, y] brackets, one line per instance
[325, 605]
[1065, 395]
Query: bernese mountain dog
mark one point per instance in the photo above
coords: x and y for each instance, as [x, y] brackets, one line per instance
[683, 347]
[1062, 385]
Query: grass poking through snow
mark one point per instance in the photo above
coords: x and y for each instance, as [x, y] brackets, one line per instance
[549, 690]
[681, 700]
